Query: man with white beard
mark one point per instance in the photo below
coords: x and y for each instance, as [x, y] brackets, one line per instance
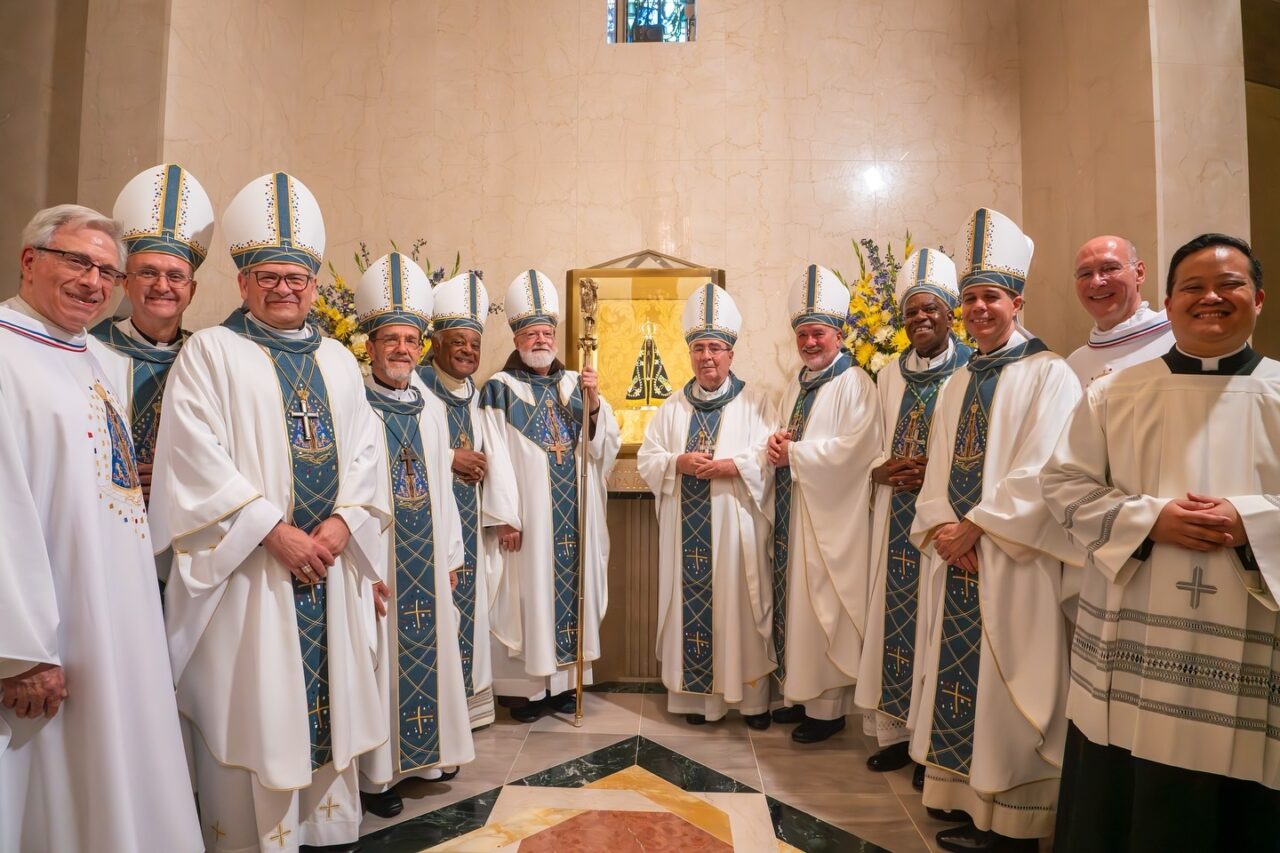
[420, 680]
[532, 415]
[701, 459]
[821, 562]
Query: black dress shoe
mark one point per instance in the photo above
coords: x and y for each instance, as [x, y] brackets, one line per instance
[386, 804]
[695, 719]
[352, 847]
[566, 702]
[789, 714]
[917, 778]
[816, 731]
[948, 815]
[759, 722]
[893, 757]
[969, 839]
[446, 775]
[531, 710]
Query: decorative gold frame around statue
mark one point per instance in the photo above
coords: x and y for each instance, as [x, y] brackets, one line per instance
[642, 291]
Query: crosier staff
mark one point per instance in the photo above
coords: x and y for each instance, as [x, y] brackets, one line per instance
[587, 345]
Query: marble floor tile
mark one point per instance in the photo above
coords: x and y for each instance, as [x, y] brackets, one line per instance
[658, 721]
[602, 713]
[877, 818]
[547, 749]
[735, 762]
[835, 765]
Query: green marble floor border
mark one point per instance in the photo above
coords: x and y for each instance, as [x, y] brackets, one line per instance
[799, 829]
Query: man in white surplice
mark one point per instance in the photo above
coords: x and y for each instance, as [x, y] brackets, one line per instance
[531, 412]
[268, 489]
[420, 668]
[1109, 277]
[90, 749]
[701, 459]
[1168, 476]
[908, 389]
[830, 435]
[459, 308]
[988, 719]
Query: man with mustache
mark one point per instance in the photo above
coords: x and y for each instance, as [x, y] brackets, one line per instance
[908, 390]
[421, 678]
[168, 221]
[459, 309]
[268, 489]
[1167, 476]
[90, 749]
[701, 459]
[988, 719]
[1109, 277]
[830, 438]
[532, 417]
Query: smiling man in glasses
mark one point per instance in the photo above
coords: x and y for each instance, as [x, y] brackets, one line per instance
[1109, 276]
[268, 488]
[90, 747]
[167, 220]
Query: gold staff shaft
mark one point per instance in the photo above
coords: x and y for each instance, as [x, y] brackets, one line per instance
[587, 346]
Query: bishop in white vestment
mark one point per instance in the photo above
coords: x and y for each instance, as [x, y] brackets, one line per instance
[829, 436]
[908, 390]
[532, 415]
[459, 309]
[701, 459]
[91, 757]
[168, 221]
[1168, 476]
[420, 668]
[1109, 277]
[989, 718]
[269, 490]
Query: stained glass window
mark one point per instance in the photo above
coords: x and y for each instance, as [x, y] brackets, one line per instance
[649, 21]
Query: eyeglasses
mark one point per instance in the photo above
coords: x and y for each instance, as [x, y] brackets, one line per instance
[81, 264]
[175, 279]
[395, 342]
[1106, 271]
[295, 281]
[708, 349]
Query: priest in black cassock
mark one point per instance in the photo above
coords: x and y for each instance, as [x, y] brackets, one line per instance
[1169, 477]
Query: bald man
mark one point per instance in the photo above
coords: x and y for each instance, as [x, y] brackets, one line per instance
[1109, 276]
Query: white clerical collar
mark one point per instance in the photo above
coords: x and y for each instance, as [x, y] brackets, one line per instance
[703, 394]
[456, 387]
[1143, 321]
[40, 323]
[915, 361]
[291, 334]
[1211, 363]
[126, 326]
[406, 395]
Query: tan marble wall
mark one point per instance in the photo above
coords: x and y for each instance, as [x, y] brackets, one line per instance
[41, 68]
[1264, 203]
[513, 133]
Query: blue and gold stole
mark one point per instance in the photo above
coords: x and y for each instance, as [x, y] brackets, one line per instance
[955, 702]
[148, 371]
[467, 496]
[782, 501]
[417, 697]
[695, 540]
[313, 453]
[902, 575]
[554, 427]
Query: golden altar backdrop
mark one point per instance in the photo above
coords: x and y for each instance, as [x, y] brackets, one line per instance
[642, 356]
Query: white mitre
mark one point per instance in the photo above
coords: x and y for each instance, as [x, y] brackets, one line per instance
[996, 252]
[532, 300]
[818, 296]
[927, 271]
[461, 303]
[164, 209]
[711, 313]
[393, 291]
[275, 219]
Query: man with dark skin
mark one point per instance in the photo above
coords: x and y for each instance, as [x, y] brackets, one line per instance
[908, 389]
